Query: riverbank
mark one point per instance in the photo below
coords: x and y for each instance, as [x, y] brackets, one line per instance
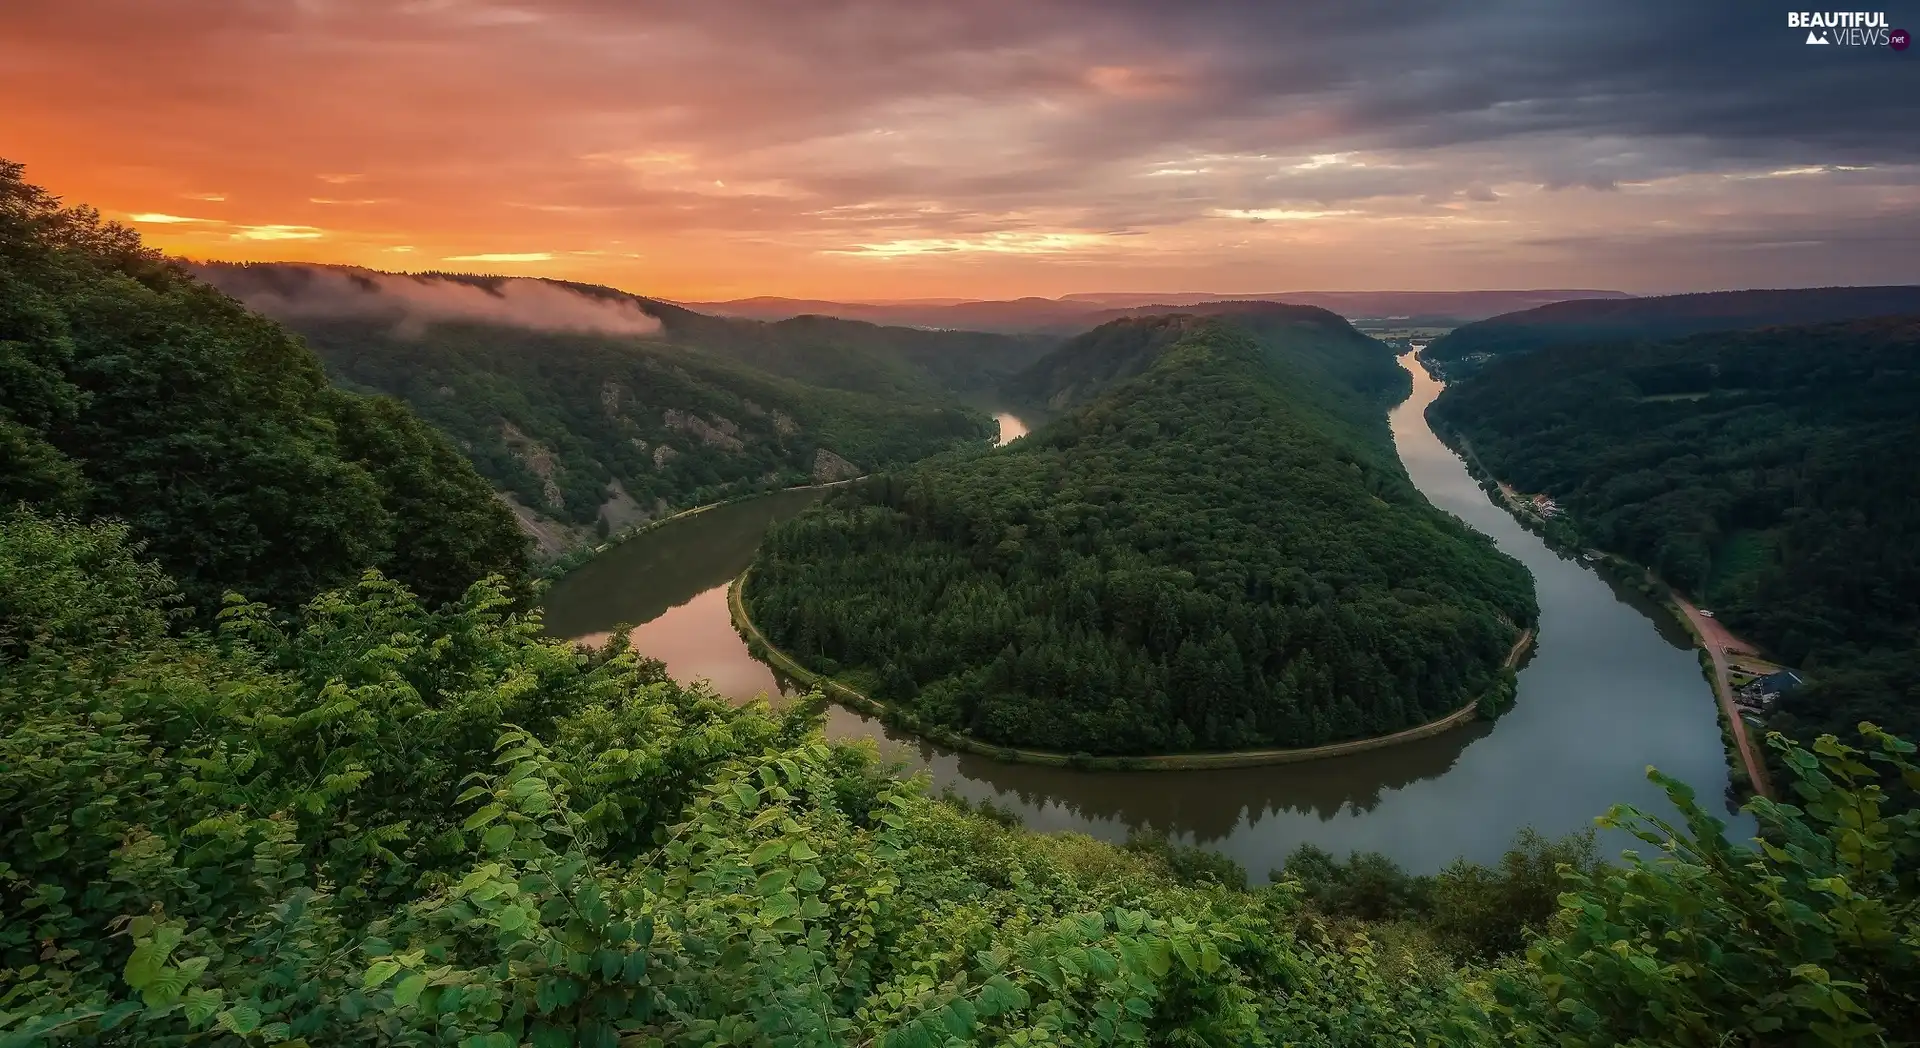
[1717, 642]
[579, 558]
[1745, 765]
[785, 663]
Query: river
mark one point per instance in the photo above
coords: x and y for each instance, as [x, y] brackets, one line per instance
[1609, 689]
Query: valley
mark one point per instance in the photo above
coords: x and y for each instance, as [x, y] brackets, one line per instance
[771, 525]
[1609, 670]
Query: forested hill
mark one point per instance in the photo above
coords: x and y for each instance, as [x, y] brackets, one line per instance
[129, 390]
[818, 350]
[594, 409]
[1201, 558]
[1666, 317]
[1318, 344]
[1771, 473]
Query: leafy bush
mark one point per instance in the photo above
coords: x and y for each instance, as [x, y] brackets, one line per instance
[380, 823]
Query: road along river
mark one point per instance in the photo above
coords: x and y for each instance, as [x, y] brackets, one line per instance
[1612, 687]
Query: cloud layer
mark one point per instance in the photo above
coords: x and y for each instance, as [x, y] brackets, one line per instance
[411, 301]
[882, 148]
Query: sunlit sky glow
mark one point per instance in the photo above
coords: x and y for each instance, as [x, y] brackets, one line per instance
[871, 149]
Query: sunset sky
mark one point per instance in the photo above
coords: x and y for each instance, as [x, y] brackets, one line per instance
[864, 149]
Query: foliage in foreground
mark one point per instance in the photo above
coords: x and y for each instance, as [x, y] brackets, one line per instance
[130, 390]
[385, 824]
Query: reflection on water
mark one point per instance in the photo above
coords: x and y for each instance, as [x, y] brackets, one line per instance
[1604, 695]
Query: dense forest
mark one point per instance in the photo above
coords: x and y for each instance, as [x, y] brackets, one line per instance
[598, 421]
[1221, 551]
[130, 390]
[1616, 321]
[371, 817]
[1771, 473]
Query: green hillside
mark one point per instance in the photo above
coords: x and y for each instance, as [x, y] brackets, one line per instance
[1202, 557]
[590, 430]
[581, 425]
[1771, 473]
[130, 390]
[1617, 321]
[1349, 371]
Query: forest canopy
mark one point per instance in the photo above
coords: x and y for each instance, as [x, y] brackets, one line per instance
[1218, 552]
[1661, 317]
[130, 390]
[1770, 473]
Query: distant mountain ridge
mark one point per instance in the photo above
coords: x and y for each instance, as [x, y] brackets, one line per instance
[1669, 316]
[836, 352]
[1074, 313]
[591, 409]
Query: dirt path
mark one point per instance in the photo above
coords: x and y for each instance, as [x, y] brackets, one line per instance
[1718, 641]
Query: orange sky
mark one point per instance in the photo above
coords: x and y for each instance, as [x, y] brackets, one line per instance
[869, 149]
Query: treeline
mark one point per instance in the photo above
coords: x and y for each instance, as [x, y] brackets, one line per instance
[130, 390]
[1201, 559]
[377, 823]
[1589, 322]
[1770, 473]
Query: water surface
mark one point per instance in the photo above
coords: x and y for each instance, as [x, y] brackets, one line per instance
[1011, 426]
[1606, 693]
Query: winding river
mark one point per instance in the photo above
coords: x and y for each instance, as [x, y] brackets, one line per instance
[1611, 687]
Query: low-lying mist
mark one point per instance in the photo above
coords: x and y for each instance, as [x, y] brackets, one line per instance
[287, 291]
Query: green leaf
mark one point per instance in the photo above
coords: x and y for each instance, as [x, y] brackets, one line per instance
[634, 968]
[144, 966]
[800, 852]
[482, 817]
[201, 1005]
[377, 975]
[766, 853]
[1184, 950]
[409, 989]
[773, 882]
[242, 1019]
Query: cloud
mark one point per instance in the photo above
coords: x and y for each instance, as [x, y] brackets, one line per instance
[411, 302]
[157, 219]
[279, 232]
[503, 256]
[773, 146]
[1277, 214]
